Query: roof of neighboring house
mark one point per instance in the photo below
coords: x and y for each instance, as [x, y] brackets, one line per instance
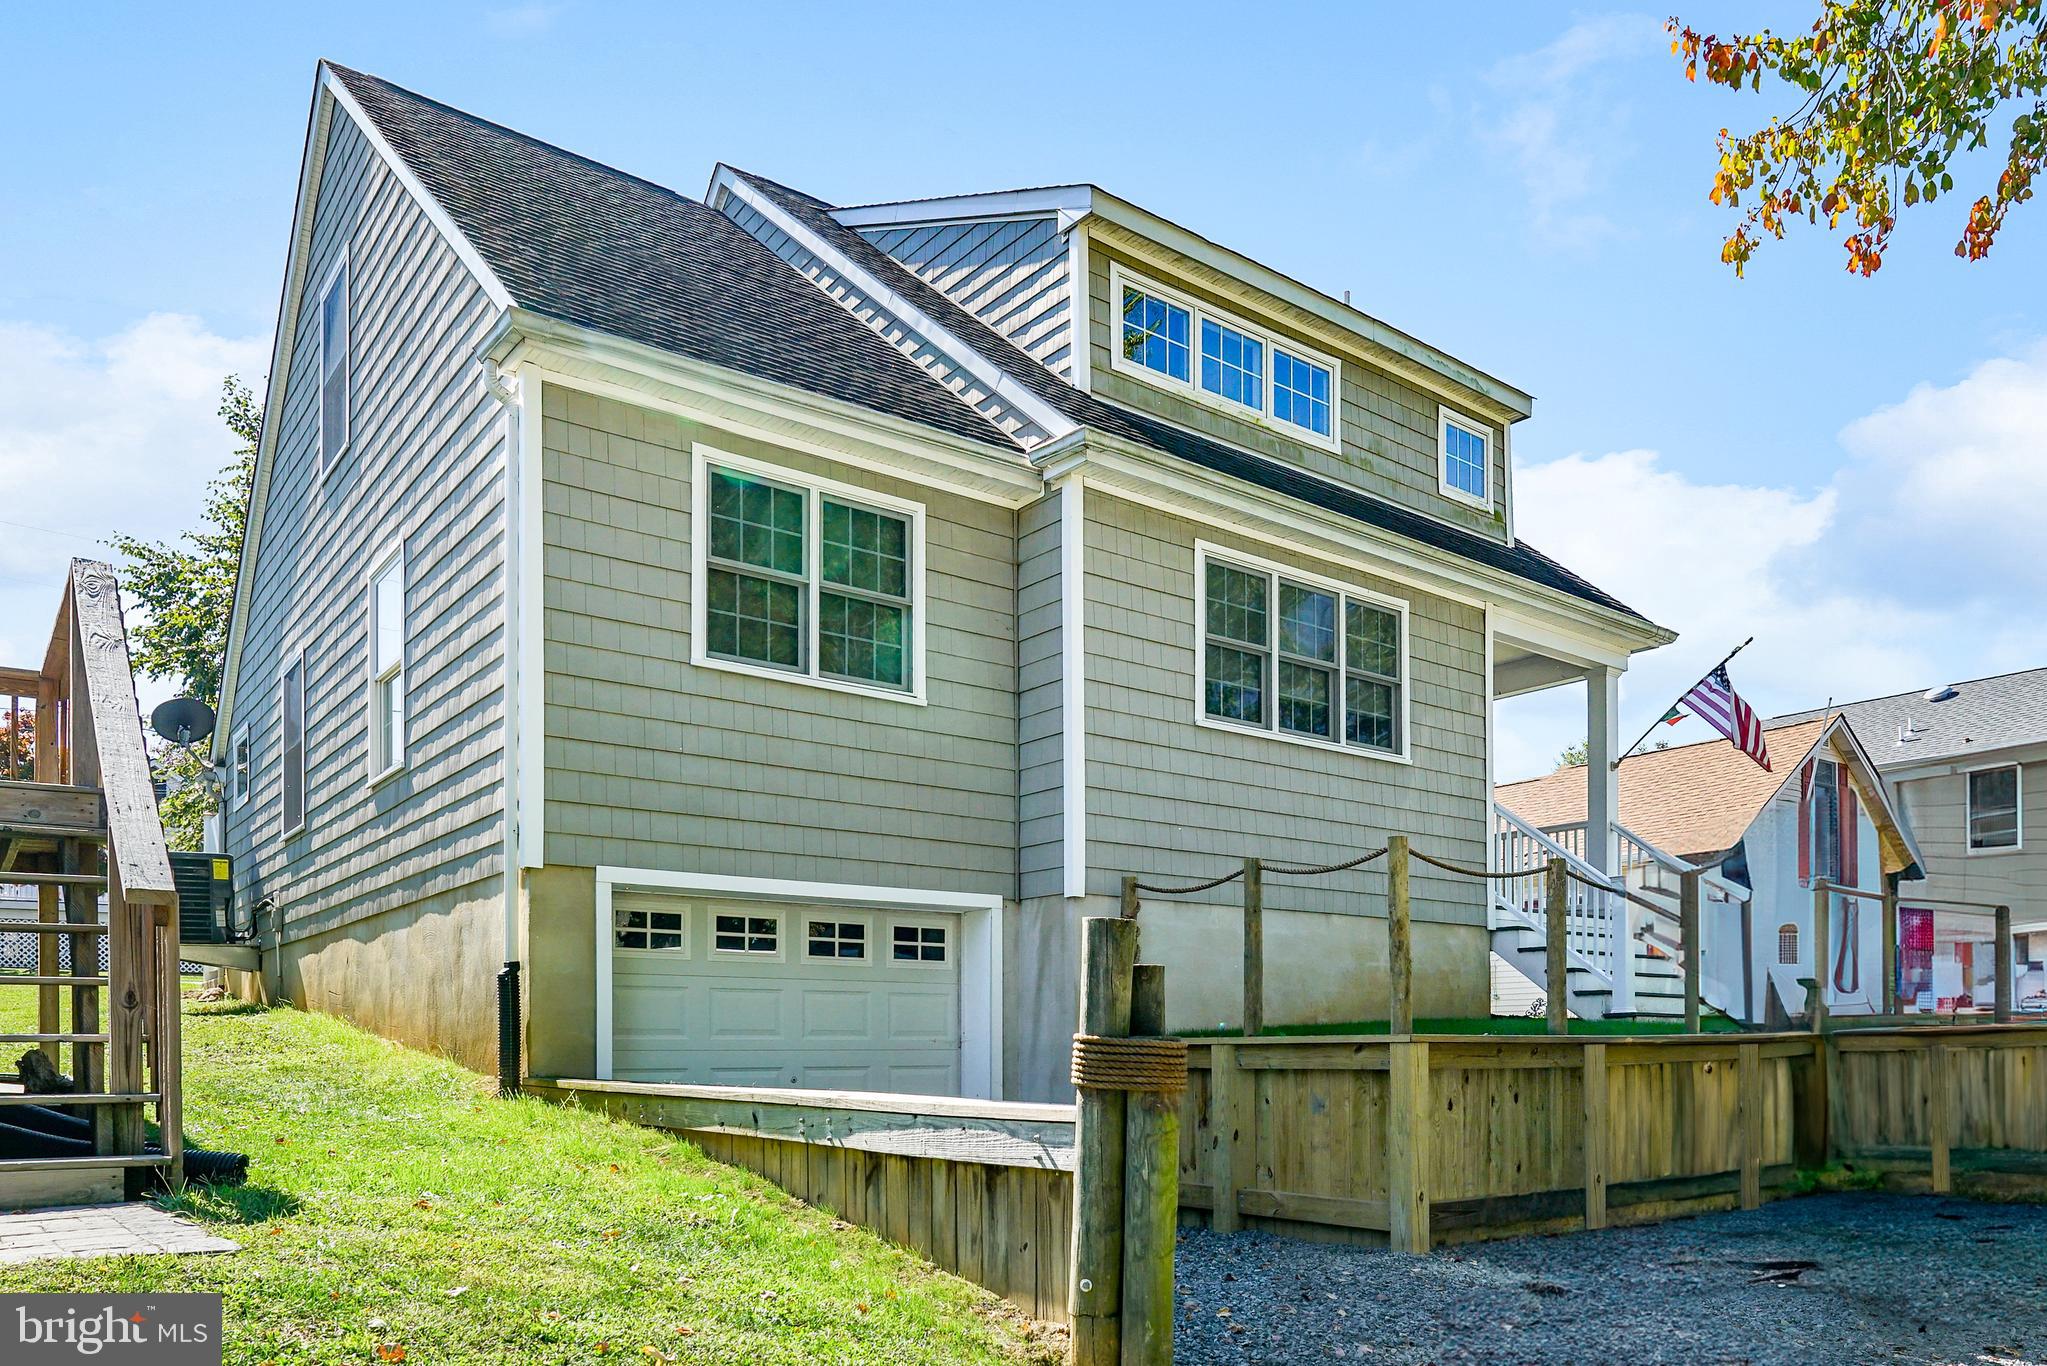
[1694, 801]
[1985, 714]
[576, 240]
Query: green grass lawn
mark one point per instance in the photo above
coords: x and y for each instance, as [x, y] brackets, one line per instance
[395, 1203]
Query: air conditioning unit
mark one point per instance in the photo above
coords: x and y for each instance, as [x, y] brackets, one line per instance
[206, 899]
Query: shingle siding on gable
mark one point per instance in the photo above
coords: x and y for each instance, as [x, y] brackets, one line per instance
[424, 465]
[1011, 275]
[1171, 799]
[654, 762]
[1387, 426]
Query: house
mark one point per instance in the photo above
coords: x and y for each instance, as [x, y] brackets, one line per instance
[1967, 763]
[1822, 811]
[753, 632]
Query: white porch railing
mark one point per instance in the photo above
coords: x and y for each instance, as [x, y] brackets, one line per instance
[1598, 922]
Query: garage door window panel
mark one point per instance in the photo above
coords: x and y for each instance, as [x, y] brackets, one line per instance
[923, 945]
[836, 940]
[746, 934]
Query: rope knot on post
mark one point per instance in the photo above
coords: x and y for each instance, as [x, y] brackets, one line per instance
[1101, 1063]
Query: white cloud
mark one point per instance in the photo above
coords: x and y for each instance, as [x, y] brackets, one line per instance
[97, 436]
[522, 21]
[1559, 122]
[1917, 564]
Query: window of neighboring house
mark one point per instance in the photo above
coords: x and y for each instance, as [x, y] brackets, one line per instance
[291, 716]
[1303, 660]
[1826, 820]
[1994, 808]
[334, 367]
[1787, 944]
[241, 765]
[387, 666]
[1156, 332]
[1300, 392]
[809, 580]
[1242, 369]
[1466, 448]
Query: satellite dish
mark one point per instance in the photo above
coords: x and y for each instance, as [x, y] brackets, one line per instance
[184, 720]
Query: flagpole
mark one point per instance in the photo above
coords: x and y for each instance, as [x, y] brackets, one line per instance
[1681, 697]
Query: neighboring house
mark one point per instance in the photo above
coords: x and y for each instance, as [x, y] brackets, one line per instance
[773, 626]
[1968, 764]
[1821, 812]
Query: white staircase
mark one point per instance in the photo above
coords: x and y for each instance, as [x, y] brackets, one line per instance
[1623, 957]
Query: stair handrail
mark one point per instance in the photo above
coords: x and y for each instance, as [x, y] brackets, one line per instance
[1610, 944]
[1585, 871]
[1672, 863]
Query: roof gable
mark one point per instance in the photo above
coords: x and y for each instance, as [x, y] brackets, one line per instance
[1982, 716]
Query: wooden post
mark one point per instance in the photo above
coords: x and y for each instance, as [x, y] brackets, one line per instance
[1254, 948]
[49, 1000]
[166, 1048]
[1108, 955]
[1409, 1113]
[1750, 1081]
[1812, 1142]
[1232, 1142]
[1940, 1116]
[2002, 959]
[1688, 939]
[82, 907]
[1151, 1191]
[1127, 905]
[128, 1009]
[1400, 934]
[1556, 916]
[1890, 943]
[1822, 929]
[1595, 1135]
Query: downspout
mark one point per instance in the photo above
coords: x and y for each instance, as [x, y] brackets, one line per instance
[506, 389]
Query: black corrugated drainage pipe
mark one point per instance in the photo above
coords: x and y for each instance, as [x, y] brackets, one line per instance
[508, 1029]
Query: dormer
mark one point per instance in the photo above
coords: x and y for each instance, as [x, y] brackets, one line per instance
[1191, 333]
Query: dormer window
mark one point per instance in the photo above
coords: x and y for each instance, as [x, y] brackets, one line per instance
[1467, 457]
[1204, 354]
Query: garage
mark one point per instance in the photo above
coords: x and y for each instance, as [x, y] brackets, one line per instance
[750, 992]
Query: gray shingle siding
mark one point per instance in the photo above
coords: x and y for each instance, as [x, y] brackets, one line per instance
[423, 468]
[653, 762]
[1178, 801]
[1040, 721]
[1012, 275]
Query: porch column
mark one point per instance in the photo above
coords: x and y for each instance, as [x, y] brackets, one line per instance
[1602, 780]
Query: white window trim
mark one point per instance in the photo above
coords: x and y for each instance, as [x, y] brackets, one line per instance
[1206, 550]
[840, 917]
[321, 464]
[923, 922]
[392, 557]
[298, 657]
[1191, 386]
[1445, 415]
[978, 952]
[240, 781]
[714, 909]
[702, 457]
[2018, 812]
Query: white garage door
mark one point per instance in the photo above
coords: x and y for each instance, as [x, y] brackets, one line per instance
[747, 993]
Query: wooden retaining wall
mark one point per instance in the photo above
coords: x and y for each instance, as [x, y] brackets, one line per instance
[1956, 1107]
[983, 1189]
[1446, 1138]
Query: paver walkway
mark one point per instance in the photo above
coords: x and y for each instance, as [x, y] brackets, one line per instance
[101, 1231]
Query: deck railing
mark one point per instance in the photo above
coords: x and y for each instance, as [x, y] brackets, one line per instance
[1598, 921]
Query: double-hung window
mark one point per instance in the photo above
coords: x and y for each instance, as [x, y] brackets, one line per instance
[1465, 448]
[1223, 361]
[1994, 808]
[387, 665]
[291, 715]
[241, 768]
[1300, 658]
[807, 578]
[334, 367]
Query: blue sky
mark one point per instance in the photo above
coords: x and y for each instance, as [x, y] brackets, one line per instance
[1846, 468]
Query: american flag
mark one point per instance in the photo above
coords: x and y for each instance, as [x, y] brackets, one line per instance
[1714, 701]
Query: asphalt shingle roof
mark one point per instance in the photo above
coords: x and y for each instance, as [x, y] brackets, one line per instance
[1985, 714]
[579, 241]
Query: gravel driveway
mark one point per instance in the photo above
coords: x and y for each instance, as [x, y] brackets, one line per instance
[1832, 1278]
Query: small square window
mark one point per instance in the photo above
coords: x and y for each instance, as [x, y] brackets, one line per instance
[745, 934]
[842, 939]
[647, 929]
[919, 943]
